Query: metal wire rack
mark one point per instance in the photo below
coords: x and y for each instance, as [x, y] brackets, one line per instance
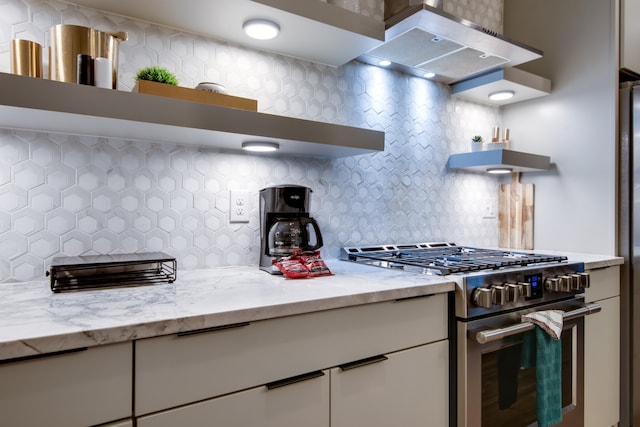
[111, 271]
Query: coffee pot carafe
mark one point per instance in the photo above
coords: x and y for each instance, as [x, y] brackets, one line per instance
[285, 224]
[289, 235]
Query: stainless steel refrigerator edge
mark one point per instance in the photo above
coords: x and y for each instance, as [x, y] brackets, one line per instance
[629, 248]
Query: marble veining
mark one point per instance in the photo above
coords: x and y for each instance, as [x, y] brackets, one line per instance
[34, 320]
[37, 321]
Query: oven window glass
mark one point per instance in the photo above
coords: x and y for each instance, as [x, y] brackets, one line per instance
[509, 392]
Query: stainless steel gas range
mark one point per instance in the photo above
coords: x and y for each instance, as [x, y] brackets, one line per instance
[495, 288]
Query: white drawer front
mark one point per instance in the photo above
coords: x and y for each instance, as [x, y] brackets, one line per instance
[410, 388]
[304, 403]
[605, 283]
[81, 388]
[173, 370]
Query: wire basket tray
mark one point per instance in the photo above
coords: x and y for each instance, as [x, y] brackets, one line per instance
[111, 271]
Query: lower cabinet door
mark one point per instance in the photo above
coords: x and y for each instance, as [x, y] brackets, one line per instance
[602, 366]
[73, 389]
[293, 402]
[408, 389]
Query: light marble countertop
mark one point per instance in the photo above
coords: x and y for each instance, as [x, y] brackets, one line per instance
[34, 320]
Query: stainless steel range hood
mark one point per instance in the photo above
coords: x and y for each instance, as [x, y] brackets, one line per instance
[420, 38]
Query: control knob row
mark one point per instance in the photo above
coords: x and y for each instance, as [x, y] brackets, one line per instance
[567, 282]
[501, 294]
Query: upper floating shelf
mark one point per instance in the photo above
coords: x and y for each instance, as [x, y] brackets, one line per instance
[310, 29]
[51, 106]
[481, 161]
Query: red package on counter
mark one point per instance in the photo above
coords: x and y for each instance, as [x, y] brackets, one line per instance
[292, 268]
[315, 264]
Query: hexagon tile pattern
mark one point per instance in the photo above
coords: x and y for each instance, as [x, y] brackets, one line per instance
[76, 195]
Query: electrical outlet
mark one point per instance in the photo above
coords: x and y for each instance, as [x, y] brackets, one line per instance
[489, 209]
[239, 206]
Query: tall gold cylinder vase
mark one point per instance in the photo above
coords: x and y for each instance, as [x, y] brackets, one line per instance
[67, 41]
[26, 58]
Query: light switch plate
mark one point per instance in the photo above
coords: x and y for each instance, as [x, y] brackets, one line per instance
[239, 206]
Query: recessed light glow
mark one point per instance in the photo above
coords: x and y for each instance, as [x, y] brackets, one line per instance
[499, 170]
[260, 146]
[384, 63]
[429, 75]
[501, 95]
[261, 29]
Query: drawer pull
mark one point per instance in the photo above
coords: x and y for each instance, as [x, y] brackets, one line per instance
[293, 380]
[414, 297]
[213, 329]
[41, 356]
[363, 362]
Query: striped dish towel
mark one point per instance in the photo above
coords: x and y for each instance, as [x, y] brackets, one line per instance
[549, 320]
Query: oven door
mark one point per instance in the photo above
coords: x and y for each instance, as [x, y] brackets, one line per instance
[494, 391]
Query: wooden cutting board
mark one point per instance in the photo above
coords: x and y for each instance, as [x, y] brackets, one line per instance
[515, 214]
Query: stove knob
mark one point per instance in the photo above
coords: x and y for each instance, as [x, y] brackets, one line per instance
[483, 297]
[565, 283]
[500, 295]
[552, 284]
[514, 292]
[527, 289]
[585, 280]
[575, 281]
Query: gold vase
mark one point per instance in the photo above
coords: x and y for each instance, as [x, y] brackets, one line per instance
[67, 41]
[26, 58]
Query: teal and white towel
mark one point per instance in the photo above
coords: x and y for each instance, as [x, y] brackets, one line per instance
[543, 350]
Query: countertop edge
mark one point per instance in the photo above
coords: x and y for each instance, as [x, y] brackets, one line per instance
[90, 337]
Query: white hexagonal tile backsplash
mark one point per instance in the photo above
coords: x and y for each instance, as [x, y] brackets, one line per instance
[71, 195]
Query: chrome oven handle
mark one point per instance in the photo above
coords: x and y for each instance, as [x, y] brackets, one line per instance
[491, 335]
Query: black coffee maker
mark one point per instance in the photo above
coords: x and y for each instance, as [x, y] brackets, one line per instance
[285, 224]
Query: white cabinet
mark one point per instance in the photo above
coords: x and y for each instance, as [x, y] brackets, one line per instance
[602, 350]
[304, 403]
[71, 389]
[629, 35]
[228, 372]
[409, 388]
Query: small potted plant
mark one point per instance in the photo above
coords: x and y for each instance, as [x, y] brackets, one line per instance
[157, 74]
[476, 143]
[155, 80]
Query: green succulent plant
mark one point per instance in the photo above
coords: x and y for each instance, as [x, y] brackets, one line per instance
[157, 74]
[477, 138]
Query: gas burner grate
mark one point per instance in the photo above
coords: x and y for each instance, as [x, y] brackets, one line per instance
[444, 258]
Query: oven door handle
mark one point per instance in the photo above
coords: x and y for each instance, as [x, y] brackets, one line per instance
[491, 335]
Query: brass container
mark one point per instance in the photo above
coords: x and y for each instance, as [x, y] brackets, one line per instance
[26, 58]
[67, 41]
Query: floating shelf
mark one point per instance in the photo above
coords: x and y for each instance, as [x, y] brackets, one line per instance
[517, 161]
[52, 106]
[311, 29]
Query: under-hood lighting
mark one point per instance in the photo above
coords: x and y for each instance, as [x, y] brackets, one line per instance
[261, 29]
[501, 95]
[493, 87]
[260, 146]
[499, 170]
[384, 63]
